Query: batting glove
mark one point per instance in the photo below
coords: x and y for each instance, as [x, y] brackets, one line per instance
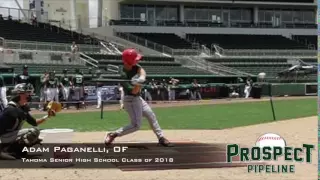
[138, 81]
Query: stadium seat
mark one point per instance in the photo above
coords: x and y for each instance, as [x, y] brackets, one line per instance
[15, 30]
[118, 57]
[255, 66]
[307, 39]
[154, 65]
[311, 61]
[240, 41]
[128, 22]
[40, 68]
[170, 40]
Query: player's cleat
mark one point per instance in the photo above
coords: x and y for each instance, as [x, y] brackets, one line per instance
[165, 142]
[6, 156]
[109, 138]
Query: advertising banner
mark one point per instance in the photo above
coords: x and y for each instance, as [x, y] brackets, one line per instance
[107, 92]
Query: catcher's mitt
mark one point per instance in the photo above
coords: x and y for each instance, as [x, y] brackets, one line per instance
[53, 108]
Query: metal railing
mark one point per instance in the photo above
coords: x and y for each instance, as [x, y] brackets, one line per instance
[108, 50]
[25, 15]
[199, 64]
[235, 71]
[41, 57]
[116, 44]
[185, 61]
[223, 69]
[88, 60]
[155, 46]
[116, 50]
[46, 46]
[268, 52]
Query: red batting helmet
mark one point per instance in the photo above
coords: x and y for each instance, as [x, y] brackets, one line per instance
[130, 57]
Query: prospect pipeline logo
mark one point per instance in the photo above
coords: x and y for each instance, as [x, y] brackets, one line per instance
[270, 147]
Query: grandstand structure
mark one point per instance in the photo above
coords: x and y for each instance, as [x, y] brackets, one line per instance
[226, 38]
[215, 41]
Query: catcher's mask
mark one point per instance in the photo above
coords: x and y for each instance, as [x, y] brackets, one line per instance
[22, 92]
[130, 57]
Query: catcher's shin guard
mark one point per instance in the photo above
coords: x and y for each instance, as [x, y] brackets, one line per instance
[15, 150]
[4, 155]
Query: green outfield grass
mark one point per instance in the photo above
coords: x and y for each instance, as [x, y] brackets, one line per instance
[218, 116]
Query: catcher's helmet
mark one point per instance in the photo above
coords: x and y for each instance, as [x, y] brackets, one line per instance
[130, 57]
[25, 67]
[22, 88]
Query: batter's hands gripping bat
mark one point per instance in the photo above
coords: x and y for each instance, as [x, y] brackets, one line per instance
[136, 80]
[53, 108]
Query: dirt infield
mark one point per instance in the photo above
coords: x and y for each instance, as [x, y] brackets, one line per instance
[295, 132]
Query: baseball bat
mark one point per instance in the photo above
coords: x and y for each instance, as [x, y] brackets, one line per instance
[271, 101]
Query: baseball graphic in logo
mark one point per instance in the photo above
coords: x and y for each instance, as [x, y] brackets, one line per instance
[270, 140]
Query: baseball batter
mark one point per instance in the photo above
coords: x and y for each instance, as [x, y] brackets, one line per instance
[52, 88]
[135, 106]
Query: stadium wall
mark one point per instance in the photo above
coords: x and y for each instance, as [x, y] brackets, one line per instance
[73, 13]
[204, 30]
[111, 9]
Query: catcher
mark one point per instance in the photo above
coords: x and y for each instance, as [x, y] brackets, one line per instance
[12, 137]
